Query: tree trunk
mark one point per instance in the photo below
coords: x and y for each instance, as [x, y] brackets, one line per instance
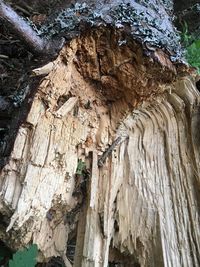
[106, 162]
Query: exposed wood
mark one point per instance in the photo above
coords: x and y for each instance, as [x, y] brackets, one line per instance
[44, 70]
[108, 154]
[143, 200]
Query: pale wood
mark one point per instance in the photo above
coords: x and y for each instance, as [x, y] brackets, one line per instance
[148, 186]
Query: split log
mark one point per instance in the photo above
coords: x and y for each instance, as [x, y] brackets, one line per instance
[107, 94]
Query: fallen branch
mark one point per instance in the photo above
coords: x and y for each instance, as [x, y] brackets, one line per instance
[108, 152]
[26, 33]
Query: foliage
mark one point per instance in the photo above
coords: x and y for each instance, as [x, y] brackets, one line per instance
[81, 167]
[5, 254]
[192, 47]
[186, 38]
[193, 54]
[25, 258]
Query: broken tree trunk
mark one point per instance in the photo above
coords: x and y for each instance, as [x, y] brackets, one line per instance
[107, 159]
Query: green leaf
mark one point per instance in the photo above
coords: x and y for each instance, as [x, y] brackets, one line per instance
[193, 54]
[25, 258]
[197, 42]
[81, 167]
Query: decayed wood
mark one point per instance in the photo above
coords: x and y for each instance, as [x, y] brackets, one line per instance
[143, 200]
[109, 153]
[44, 70]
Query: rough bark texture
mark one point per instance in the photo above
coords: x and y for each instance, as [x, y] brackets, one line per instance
[140, 206]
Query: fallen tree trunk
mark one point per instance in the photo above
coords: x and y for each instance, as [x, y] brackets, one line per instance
[107, 159]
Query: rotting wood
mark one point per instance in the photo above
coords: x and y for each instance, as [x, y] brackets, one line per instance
[137, 185]
[143, 201]
[44, 70]
[66, 107]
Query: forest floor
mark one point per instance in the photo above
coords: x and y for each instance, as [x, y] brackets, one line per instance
[15, 60]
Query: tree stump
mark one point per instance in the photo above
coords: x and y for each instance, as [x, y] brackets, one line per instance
[107, 158]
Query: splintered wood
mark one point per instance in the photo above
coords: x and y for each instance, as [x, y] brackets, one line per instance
[142, 200]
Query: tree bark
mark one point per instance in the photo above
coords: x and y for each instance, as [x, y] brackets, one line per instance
[108, 154]
[21, 27]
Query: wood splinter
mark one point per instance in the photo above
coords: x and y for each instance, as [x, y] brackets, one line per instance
[108, 152]
[44, 70]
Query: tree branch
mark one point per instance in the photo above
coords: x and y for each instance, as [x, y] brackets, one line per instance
[25, 32]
